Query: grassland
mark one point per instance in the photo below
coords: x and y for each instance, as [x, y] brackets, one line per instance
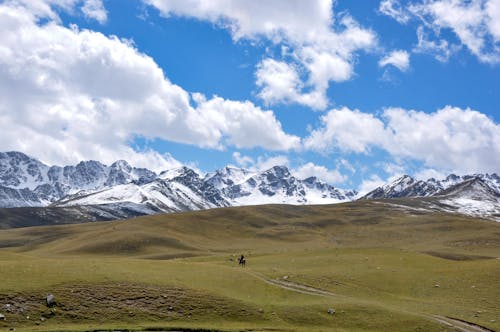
[381, 267]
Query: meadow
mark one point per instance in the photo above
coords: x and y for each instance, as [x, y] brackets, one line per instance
[361, 266]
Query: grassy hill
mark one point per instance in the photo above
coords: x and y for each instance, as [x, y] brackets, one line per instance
[380, 265]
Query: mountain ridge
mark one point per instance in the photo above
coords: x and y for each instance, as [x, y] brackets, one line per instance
[27, 182]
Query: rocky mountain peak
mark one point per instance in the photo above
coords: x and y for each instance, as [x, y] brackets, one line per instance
[121, 165]
[24, 181]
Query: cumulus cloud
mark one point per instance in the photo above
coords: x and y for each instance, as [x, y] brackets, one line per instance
[474, 23]
[242, 160]
[427, 173]
[321, 172]
[347, 130]
[280, 83]
[370, 184]
[451, 138]
[493, 20]
[323, 45]
[399, 59]
[93, 9]
[68, 94]
[241, 124]
[261, 163]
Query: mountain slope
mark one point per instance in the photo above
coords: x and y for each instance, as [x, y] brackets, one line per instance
[277, 185]
[24, 181]
[473, 197]
[48, 184]
[406, 186]
[126, 191]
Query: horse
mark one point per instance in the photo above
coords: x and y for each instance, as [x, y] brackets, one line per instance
[242, 261]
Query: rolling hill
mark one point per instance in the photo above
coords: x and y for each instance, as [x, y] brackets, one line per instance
[379, 264]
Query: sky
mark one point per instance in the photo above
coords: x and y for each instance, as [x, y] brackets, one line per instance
[353, 92]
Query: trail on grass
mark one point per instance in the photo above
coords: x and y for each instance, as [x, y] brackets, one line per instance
[293, 286]
[458, 324]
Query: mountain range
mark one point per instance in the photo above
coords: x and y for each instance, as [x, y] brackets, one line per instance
[120, 190]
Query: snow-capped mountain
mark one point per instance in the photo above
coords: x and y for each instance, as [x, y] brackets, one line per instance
[406, 186]
[24, 181]
[475, 195]
[123, 190]
[228, 177]
[278, 185]
[182, 189]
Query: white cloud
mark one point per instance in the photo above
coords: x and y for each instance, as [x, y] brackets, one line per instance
[345, 164]
[370, 184]
[394, 9]
[322, 46]
[68, 94]
[321, 172]
[242, 160]
[427, 173]
[440, 48]
[262, 163]
[280, 83]
[451, 138]
[474, 23]
[493, 20]
[243, 125]
[95, 9]
[252, 19]
[399, 59]
[347, 130]
[393, 168]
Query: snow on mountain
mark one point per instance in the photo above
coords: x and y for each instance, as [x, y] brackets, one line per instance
[11, 197]
[120, 172]
[228, 176]
[18, 171]
[48, 184]
[319, 192]
[170, 174]
[474, 197]
[180, 189]
[187, 180]
[278, 186]
[123, 190]
[406, 186]
[153, 197]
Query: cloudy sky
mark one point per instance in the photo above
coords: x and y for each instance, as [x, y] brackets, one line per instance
[354, 92]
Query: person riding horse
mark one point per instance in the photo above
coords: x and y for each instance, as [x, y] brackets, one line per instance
[241, 260]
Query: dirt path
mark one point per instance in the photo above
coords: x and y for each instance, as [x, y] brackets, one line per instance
[458, 324]
[299, 288]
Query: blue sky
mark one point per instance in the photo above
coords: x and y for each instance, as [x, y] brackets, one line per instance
[355, 92]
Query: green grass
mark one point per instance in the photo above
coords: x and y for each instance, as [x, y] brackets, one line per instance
[179, 271]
